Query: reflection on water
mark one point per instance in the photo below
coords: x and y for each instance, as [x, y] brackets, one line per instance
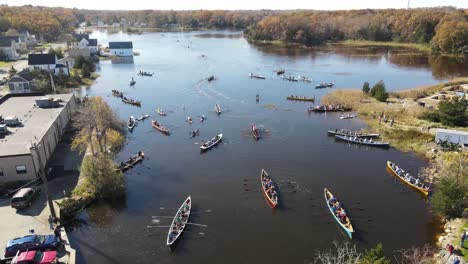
[224, 182]
[442, 67]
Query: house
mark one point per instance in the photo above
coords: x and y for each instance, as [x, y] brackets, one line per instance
[121, 49]
[41, 61]
[25, 37]
[22, 82]
[93, 46]
[19, 45]
[452, 136]
[8, 48]
[81, 41]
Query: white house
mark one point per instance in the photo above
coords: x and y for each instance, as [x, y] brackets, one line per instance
[8, 47]
[41, 61]
[121, 49]
[82, 41]
[27, 38]
[452, 136]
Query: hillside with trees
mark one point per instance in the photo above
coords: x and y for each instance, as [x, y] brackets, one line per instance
[444, 29]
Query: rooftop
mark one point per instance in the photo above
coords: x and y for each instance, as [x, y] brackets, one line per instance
[6, 41]
[121, 45]
[22, 76]
[452, 131]
[34, 122]
[92, 42]
[41, 59]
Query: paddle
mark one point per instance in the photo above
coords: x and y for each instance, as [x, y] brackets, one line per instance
[188, 223]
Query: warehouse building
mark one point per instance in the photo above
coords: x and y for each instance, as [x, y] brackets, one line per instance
[28, 146]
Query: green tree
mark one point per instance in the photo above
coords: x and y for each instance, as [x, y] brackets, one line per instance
[85, 71]
[449, 198]
[375, 256]
[103, 175]
[366, 88]
[454, 112]
[58, 52]
[79, 62]
[379, 92]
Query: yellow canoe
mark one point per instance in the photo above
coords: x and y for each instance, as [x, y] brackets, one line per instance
[425, 191]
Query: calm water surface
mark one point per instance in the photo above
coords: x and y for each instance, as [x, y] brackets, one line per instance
[225, 180]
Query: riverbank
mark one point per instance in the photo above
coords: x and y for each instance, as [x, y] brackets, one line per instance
[410, 132]
[367, 43]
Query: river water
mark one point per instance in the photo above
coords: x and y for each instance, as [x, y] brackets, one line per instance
[224, 182]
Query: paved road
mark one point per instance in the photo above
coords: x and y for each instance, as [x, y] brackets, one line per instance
[19, 65]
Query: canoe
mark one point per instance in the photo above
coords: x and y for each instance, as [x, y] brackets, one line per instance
[280, 72]
[271, 200]
[289, 78]
[301, 98]
[251, 75]
[179, 222]
[189, 120]
[161, 112]
[348, 116]
[322, 109]
[142, 117]
[255, 132]
[211, 78]
[131, 162]
[401, 176]
[363, 141]
[347, 226]
[131, 123]
[209, 144]
[324, 85]
[304, 79]
[218, 109]
[117, 93]
[160, 128]
[351, 133]
[131, 101]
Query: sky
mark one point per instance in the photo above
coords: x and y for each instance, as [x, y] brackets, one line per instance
[237, 4]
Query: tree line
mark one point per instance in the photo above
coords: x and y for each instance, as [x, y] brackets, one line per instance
[445, 29]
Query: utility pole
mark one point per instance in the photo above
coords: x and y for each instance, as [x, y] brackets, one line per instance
[43, 176]
[407, 7]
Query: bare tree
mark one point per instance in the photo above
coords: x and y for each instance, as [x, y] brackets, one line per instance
[343, 253]
[415, 255]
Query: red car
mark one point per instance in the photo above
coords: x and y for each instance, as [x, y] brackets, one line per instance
[36, 257]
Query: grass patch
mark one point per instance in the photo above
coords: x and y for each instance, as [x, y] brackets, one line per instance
[464, 250]
[42, 47]
[5, 63]
[367, 43]
[408, 132]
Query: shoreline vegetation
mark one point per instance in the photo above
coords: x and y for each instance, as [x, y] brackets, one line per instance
[99, 138]
[424, 48]
[443, 30]
[411, 132]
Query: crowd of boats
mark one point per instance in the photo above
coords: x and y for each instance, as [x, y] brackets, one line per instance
[328, 108]
[268, 187]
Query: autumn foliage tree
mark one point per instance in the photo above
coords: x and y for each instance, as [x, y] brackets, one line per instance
[452, 37]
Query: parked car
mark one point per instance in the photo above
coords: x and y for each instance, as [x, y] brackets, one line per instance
[24, 197]
[32, 242]
[36, 257]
